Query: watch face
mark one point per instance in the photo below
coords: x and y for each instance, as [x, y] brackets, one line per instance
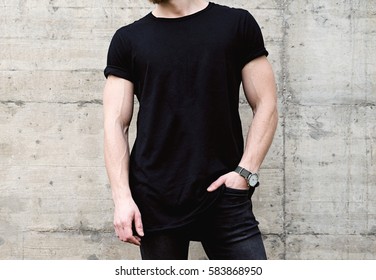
[253, 180]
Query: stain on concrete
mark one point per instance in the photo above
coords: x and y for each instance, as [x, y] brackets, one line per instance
[317, 132]
[18, 103]
[373, 230]
[84, 103]
[2, 241]
[93, 257]
[95, 236]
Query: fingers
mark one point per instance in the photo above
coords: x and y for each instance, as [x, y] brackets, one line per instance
[125, 234]
[124, 231]
[231, 179]
[216, 184]
[135, 240]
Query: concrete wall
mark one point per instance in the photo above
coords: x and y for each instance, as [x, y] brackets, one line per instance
[318, 199]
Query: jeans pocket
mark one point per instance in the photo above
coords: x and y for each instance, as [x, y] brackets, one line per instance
[240, 192]
[237, 192]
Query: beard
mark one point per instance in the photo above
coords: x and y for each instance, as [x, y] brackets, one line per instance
[158, 1]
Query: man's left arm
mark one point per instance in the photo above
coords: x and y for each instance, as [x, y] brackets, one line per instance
[260, 90]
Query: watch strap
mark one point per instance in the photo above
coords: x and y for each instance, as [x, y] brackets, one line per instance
[245, 174]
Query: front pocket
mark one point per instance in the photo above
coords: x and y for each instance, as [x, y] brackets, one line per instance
[238, 192]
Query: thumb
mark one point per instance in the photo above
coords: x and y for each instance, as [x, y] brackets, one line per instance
[138, 224]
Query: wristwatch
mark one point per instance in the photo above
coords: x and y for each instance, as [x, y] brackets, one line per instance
[251, 178]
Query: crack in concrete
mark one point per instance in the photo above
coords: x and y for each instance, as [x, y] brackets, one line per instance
[82, 228]
[80, 103]
[284, 71]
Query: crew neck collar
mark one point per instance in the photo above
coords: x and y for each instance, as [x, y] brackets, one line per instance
[210, 4]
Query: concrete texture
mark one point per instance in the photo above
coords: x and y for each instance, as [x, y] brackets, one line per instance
[318, 195]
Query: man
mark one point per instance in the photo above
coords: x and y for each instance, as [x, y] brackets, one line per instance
[189, 176]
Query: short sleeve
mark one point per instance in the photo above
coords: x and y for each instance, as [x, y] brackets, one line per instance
[252, 42]
[119, 57]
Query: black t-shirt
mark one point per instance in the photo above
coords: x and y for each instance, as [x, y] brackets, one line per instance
[186, 74]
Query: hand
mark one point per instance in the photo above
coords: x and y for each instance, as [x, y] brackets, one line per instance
[127, 213]
[232, 180]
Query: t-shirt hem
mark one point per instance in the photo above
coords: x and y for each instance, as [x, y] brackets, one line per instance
[255, 55]
[118, 72]
[188, 221]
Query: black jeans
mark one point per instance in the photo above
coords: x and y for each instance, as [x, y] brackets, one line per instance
[227, 231]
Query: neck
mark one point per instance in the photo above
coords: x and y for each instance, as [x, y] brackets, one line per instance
[179, 8]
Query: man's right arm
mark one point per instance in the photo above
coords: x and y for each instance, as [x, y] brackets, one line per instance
[118, 110]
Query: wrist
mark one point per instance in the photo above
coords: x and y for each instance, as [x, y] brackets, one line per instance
[121, 196]
[252, 178]
[251, 167]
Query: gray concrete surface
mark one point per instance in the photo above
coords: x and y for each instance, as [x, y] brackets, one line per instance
[318, 194]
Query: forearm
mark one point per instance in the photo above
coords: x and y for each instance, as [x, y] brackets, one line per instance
[126, 214]
[260, 136]
[116, 152]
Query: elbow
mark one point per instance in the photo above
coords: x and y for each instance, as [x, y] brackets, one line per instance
[267, 112]
[123, 124]
[112, 125]
[273, 111]
[267, 107]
